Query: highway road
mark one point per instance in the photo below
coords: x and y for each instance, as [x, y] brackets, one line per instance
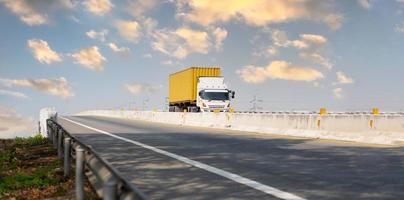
[174, 162]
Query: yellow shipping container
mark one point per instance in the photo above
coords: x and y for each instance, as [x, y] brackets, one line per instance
[182, 84]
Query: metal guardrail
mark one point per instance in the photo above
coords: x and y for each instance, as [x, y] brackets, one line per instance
[108, 183]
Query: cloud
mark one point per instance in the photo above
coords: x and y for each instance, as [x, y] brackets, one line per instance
[147, 55]
[12, 94]
[74, 19]
[280, 39]
[129, 30]
[198, 41]
[138, 7]
[34, 12]
[183, 41]
[258, 12]
[90, 58]
[117, 49]
[58, 87]
[278, 70]
[97, 35]
[318, 59]
[27, 13]
[314, 39]
[399, 28]
[13, 124]
[338, 93]
[42, 52]
[98, 7]
[272, 51]
[136, 88]
[167, 62]
[309, 45]
[219, 34]
[365, 4]
[343, 78]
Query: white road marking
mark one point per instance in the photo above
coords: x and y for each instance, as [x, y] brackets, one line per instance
[234, 177]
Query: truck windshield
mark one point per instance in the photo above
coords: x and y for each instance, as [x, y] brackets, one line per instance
[214, 95]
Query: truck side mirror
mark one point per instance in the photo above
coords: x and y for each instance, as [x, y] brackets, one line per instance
[232, 94]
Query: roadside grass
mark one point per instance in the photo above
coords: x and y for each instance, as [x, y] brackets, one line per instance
[30, 169]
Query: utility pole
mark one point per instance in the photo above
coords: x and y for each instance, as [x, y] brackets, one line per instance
[167, 104]
[256, 104]
[145, 101]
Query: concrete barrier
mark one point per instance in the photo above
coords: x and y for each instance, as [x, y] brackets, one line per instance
[365, 128]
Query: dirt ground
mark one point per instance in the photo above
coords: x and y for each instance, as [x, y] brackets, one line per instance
[30, 169]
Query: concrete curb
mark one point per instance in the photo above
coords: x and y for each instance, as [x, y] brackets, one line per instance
[386, 129]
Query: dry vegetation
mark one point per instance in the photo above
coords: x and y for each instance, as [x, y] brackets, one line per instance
[30, 169]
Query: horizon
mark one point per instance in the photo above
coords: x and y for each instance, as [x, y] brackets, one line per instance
[292, 55]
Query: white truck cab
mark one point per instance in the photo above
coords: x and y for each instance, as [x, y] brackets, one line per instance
[213, 94]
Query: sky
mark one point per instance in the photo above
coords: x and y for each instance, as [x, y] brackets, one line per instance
[293, 55]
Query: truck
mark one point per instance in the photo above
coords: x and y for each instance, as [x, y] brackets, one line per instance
[199, 89]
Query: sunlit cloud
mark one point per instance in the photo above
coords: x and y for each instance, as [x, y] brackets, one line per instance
[129, 30]
[220, 35]
[343, 78]
[13, 124]
[35, 13]
[278, 70]
[138, 7]
[26, 12]
[117, 49]
[137, 88]
[42, 52]
[365, 4]
[12, 94]
[338, 93]
[258, 12]
[57, 87]
[97, 35]
[310, 46]
[399, 28]
[98, 7]
[90, 58]
[183, 41]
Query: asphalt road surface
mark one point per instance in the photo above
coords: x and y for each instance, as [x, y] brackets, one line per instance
[174, 162]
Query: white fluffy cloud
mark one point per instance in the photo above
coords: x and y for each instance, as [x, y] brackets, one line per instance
[138, 7]
[278, 70]
[183, 41]
[365, 4]
[97, 35]
[98, 7]
[13, 124]
[136, 88]
[219, 34]
[90, 58]
[117, 49]
[42, 52]
[399, 28]
[343, 78]
[12, 94]
[338, 93]
[309, 45]
[57, 87]
[34, 12]
[280, 39]
[27, 13]
[258, 12]
[129, 30]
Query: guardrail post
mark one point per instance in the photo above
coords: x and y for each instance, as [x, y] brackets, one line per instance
[49, 131]
[66, 162]
[79, 173]
[54, 137]
[110, 190]
[60, 143]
